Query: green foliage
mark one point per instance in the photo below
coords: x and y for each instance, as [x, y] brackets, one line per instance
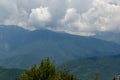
[46, 71]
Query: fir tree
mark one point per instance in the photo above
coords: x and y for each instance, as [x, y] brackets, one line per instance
[46, 71]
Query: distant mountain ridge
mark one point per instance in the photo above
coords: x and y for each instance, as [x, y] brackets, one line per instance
[22, 48]
[11, 38]
[105, 67]
[10, 74]
[109, 36]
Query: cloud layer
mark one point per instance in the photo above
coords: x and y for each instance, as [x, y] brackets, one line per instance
[39, 17]
[80, 17]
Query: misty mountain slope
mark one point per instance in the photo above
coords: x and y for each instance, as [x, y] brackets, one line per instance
[105, 67]
[109, 36]
[10, 74]
[11, 38]
[60, 47]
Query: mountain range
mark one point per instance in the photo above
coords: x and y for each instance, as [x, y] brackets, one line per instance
[20, 48]
[82, 56]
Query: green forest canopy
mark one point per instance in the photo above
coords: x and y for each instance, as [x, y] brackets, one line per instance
[46, 71]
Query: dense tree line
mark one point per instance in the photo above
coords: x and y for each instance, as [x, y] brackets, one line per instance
[46, 71]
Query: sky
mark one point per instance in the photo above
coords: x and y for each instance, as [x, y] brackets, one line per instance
[79, 17]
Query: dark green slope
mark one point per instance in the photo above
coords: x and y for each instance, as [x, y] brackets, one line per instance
[105, 67]
[10, 74]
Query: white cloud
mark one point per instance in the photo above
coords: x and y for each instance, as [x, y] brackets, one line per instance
[40, 16]
[103, 16]
[70, 16]
[80, 17]
[80, 5]
[11, 14]
[73, 24]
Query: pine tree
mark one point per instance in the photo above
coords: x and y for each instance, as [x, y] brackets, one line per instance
[46, 71]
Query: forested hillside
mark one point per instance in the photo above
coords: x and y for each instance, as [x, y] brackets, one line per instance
[105, 67]
[20, 46]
